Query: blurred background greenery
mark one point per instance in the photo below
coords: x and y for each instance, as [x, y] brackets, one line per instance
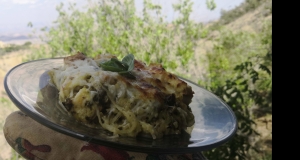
[231, 57]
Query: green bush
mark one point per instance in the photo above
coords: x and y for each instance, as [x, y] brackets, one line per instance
[243, 79]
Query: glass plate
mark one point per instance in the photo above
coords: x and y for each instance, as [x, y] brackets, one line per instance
[215, 122]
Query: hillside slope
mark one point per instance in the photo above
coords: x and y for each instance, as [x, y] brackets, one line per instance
[253, 21]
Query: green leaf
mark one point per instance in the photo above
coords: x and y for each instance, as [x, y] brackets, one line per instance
[124, 68]
[265, 68]
[112, 66]
[128, 61]
[119, 64]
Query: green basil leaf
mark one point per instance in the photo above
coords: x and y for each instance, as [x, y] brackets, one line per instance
[112, 66]
[124, 68]
[119, 64]
[128, 60]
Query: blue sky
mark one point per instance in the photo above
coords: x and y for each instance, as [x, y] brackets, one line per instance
[16, 14]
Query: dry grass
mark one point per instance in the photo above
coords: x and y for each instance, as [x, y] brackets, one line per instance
[7, 62]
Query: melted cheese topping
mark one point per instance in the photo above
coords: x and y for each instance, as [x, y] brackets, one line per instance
[155, 103]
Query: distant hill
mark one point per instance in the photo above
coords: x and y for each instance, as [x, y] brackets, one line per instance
[18, 39]
[253, 20]
[262, 7]
[10, 38]
[249, 16]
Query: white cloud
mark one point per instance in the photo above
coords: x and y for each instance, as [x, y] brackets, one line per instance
[24, 1]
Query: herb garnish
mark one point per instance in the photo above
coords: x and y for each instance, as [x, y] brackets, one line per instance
[123, 67]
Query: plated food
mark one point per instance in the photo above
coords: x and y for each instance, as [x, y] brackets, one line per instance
[126, 97]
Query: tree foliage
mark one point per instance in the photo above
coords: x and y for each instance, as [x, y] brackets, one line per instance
[115, 27]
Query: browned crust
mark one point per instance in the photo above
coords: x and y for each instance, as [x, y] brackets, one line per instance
[79, 56]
